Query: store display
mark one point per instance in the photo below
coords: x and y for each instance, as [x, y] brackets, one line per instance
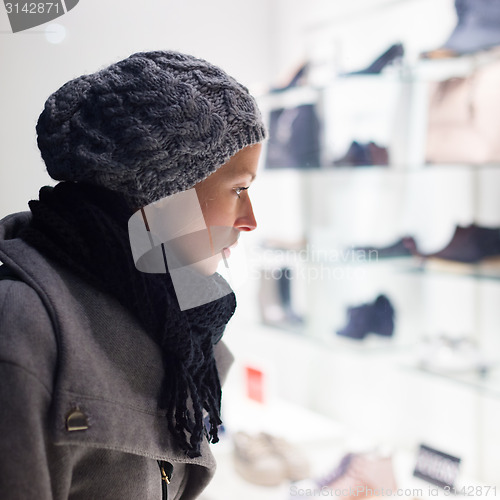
[448, 355]
[469, 244]
[478, 28]
[360, 154]
[267, 460]
[462, 123]
[294, 138]
[376, 317]
[464, 118]
[394, 53]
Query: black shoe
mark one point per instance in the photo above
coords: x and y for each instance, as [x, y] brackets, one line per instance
[359, 155]
[375, 318]
[393, 53]
[469, 244]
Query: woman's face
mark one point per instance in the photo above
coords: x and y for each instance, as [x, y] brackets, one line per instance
[225, 200]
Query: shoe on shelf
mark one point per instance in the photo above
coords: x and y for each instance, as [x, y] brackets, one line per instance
[256, 461]
[297, 466]
[379, 155]
[376, 472]
[360, 154]
[356, 155]
[361, 473]
[469, 245]
[376, 317]
[478, 28]
[394, 53]
[448, 355]
[268, 460]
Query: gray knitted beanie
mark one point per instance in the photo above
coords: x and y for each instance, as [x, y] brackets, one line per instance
[149, 126]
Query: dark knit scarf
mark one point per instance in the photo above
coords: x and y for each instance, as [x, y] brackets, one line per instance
[85, 228]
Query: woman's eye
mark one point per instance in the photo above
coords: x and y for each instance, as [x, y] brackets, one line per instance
[239, 190]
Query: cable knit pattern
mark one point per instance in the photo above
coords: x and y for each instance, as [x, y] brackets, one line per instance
[149, 126]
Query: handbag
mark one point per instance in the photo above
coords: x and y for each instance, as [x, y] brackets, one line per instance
[464, 118]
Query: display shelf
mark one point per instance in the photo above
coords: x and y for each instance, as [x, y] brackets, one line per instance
[484, 384]
[386, 349]
[455, 269]
[402, 356]
[330, 172]
[377, 393]
[375, 205]
[444, 68]
[488, 269]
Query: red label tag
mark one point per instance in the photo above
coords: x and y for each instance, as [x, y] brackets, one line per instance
[254, 384]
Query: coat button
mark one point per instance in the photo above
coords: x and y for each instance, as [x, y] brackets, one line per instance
[76, 420]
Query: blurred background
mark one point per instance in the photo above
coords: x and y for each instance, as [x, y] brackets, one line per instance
[367, 334]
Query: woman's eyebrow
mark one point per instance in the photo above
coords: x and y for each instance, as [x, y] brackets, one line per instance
[245, 171]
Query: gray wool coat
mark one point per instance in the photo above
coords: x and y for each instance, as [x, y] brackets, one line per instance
[79, 380]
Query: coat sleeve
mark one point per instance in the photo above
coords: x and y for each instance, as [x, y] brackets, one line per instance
[28, 353]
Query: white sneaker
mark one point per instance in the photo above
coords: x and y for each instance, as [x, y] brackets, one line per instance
[256, 461]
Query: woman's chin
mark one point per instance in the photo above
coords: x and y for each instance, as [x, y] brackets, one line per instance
[209, 266]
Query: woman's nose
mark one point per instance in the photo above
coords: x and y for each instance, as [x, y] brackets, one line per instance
[246, 221]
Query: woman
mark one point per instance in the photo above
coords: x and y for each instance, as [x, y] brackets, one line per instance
[110, 363]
